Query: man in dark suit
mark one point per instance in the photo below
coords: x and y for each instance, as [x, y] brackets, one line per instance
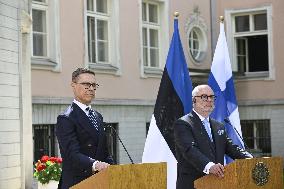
[80, 133]
[202, 142]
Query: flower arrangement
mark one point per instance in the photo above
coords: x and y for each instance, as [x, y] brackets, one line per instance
[48, 168]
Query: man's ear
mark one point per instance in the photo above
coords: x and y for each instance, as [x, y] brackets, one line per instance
[194, 100]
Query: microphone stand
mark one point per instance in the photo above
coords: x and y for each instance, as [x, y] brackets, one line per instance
[228, 122]
[108, 125]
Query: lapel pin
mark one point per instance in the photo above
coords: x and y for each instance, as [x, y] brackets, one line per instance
[220, 132]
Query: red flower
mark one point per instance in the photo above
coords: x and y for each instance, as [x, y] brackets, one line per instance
[44, 159]
[52, 159]
[40, 167]
[58, 160]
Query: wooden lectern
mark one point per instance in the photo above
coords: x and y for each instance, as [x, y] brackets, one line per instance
[256, 173]
[132, 176]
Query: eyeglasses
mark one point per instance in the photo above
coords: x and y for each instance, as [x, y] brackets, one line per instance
[87, 85]
[205, 97]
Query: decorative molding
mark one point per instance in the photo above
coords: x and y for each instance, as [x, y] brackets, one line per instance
[106, 102]
[105, 68]
[195, 20]
[260, 102]
[26, 22]
[152, 72]
[253, 76]
[43, 64]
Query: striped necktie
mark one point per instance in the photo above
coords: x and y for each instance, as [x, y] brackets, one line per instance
[93, 117]
[207, 128]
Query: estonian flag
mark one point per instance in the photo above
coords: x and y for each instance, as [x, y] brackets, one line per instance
[221, 82]
[173, 101]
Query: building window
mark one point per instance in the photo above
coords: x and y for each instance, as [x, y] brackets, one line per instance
[112, 140]
[98, 19]
[153, 21]
[249, 34]
[45, 35]
[102, 34]
[44, 141]
[256, 134]
[150, 32]
[40, 33]
[251, 42]
[196, 43]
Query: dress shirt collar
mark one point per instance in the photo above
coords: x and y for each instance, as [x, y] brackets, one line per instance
[82, 106]
[200, 116]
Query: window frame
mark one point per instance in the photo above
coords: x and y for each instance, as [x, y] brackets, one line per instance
[51, 139]
[151, 26]
[163, 37]
[202, 44]
[52, 60]
[104, 17]
[192, 40]
[112, 66]
[257, 124]
[42, 7]
[246, 51]
[231, 38]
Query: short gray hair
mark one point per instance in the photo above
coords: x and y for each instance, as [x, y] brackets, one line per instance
[197, 89]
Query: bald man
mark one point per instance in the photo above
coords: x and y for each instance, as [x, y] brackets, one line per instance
[202, 142]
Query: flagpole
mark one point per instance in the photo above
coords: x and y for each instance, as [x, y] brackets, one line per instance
[176, 14]
[221, 81]
[173, 101]
[221, 19]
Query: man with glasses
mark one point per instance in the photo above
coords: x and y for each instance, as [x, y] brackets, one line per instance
[202, 142]
[80, 133]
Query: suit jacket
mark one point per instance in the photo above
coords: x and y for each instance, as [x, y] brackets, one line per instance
[194, 150]
[80, 145]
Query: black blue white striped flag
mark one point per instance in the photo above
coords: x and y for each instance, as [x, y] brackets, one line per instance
[173, 101]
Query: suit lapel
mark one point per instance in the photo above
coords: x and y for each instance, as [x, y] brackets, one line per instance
[84, 121]
[214, 131]
[217, 138]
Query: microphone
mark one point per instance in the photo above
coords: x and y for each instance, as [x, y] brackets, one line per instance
[105, 125]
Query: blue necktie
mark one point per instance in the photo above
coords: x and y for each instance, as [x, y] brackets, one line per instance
[207, 127]
[93, 117]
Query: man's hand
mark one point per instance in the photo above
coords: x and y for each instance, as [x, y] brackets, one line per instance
[101, 165]
[218, 170]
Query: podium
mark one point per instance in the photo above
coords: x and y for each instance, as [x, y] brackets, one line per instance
[134, 176]
[255, 173]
